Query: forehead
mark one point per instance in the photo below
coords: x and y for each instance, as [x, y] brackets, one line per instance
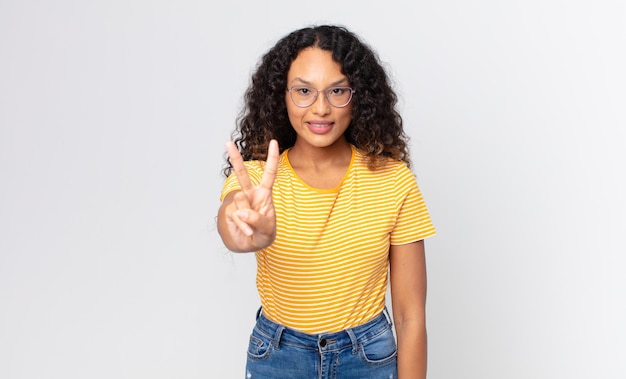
[315, 66]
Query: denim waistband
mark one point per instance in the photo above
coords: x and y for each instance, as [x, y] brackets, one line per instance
[324, 342]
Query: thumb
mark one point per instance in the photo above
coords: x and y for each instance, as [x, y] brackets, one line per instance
[264, 224]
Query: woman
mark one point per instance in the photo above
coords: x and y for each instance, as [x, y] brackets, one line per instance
[323, 194]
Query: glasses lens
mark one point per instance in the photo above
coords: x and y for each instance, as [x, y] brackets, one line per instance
[339, 96]
[303, 96]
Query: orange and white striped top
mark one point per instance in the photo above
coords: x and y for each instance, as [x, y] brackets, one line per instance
[327, 270]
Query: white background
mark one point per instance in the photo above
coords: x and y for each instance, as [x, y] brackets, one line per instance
[113, 118]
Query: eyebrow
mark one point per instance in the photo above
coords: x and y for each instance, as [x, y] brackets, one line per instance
[337, 82]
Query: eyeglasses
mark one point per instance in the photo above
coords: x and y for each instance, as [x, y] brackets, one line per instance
[303, 96]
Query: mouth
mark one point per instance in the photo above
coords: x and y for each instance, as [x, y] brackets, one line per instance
[320, 127]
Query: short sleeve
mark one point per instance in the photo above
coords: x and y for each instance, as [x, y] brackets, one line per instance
[255, 172]
[413, 222]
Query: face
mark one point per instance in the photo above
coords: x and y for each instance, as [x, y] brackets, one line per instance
[319, 125]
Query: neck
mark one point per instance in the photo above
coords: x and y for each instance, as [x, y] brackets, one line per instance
[339, 153]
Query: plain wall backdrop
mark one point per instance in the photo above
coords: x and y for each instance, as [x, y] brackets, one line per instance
[113, 118]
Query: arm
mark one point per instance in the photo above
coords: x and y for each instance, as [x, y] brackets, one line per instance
[408, 296]
[246, 220]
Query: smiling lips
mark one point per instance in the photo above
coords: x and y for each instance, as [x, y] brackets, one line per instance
[320, 127]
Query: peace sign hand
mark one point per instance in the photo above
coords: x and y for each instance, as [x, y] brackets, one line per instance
[246, 218]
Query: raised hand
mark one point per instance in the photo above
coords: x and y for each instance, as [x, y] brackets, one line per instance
[247, 219]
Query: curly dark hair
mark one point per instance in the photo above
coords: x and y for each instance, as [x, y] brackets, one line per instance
[376, 126]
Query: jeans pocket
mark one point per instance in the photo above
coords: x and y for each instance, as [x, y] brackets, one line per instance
[260, 345]
[380, 349]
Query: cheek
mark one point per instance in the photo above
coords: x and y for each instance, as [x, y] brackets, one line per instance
[294, 113]
[346, 114]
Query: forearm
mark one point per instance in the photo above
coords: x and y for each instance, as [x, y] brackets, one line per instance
[412, 349]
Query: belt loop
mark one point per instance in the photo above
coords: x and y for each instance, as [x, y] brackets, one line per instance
[355, 343]
[387, 316]
[277, 336]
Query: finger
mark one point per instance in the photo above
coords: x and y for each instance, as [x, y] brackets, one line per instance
[241, 201]
[240, 223]
[271, 165]
[240, 213]
[240, 169]
[258, 222]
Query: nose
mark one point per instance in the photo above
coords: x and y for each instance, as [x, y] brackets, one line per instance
[321, 105]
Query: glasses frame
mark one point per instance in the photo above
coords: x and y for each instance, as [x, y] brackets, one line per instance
[317, 92]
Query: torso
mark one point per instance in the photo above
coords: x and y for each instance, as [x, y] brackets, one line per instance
[327, 269]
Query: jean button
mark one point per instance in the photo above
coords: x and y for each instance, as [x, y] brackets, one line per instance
[323, 342]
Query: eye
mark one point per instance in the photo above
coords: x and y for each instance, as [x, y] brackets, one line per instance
[337, 91]
[303, 91]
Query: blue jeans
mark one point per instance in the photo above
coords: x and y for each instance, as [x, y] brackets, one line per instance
[367, 351]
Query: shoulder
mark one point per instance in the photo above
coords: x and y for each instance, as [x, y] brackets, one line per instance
[390, 167]
[259, 165]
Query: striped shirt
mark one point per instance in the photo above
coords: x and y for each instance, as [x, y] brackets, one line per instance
[327, 270]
